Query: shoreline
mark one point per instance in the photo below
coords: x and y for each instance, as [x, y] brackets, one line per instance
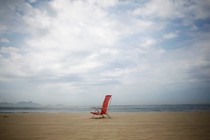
[114, 108]
[25, 112]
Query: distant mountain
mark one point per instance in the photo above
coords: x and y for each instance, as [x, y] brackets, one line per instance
[6, 104]
[27, 104]
[20, 104]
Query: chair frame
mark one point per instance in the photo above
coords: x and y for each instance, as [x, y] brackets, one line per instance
[102, 111]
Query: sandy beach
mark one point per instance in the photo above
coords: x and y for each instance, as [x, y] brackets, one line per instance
[122, 126]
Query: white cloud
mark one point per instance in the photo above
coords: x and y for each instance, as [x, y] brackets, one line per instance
[148, 42]
[84, 28]
[83, 47]
[170, 35]
[117, 72]
[157, 8]
[174, 9]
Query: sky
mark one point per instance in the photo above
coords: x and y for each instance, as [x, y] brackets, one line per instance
[74, 52]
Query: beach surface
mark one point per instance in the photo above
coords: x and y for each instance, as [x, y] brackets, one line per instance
[122, 126]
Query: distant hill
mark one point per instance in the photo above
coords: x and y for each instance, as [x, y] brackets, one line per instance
[6, 104]
[20, 104]
[27, 104]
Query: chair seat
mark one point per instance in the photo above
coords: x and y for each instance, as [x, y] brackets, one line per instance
[96, 113]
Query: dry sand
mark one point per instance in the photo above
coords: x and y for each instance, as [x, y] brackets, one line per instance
[122, 126]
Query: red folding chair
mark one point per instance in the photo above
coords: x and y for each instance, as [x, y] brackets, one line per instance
[104, 109]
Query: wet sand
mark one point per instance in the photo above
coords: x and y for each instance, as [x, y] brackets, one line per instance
[122, 126]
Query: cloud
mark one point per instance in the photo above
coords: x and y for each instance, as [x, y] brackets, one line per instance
[170, 35]
[73, 49]
[11, 15]
[4, 40]
[174, 9]
[157, 8]
[148, 42]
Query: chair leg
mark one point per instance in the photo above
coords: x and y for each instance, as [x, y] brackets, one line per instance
[108, 115]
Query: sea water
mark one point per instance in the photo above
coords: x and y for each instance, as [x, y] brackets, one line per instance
[115, 108]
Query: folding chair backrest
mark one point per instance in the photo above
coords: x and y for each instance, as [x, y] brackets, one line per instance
[105, 104]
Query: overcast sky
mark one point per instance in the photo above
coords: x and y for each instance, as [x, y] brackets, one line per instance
[74, 52]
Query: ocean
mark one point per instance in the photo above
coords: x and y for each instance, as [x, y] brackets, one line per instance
[113, 108]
